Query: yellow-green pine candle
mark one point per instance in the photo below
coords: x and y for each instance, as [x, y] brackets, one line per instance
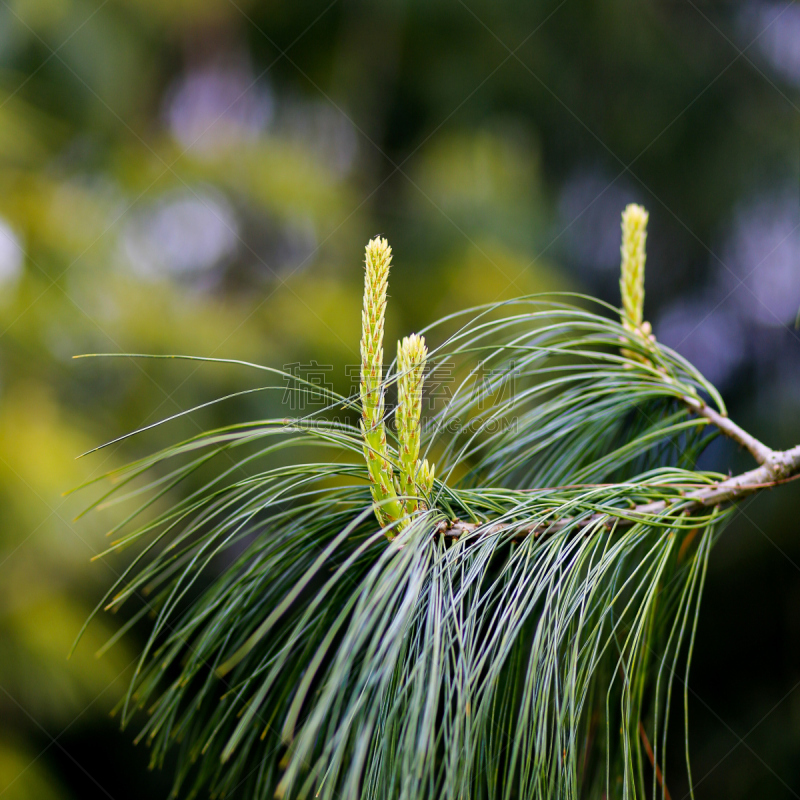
[631, 282]
[425, 476]
[376, 278]
[411, 357]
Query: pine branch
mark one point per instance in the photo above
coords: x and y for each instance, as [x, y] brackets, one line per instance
[778, 467]
[417, 668]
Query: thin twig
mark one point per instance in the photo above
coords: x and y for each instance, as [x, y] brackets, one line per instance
[760, 452]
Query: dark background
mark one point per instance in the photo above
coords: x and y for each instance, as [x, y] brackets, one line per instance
[200, 176]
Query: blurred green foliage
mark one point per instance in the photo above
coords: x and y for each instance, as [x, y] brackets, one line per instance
[200, 176]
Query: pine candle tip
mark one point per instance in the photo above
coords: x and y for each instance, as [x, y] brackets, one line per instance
[378, 253]
[631, 282]
[634, 214]
[412, 351]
